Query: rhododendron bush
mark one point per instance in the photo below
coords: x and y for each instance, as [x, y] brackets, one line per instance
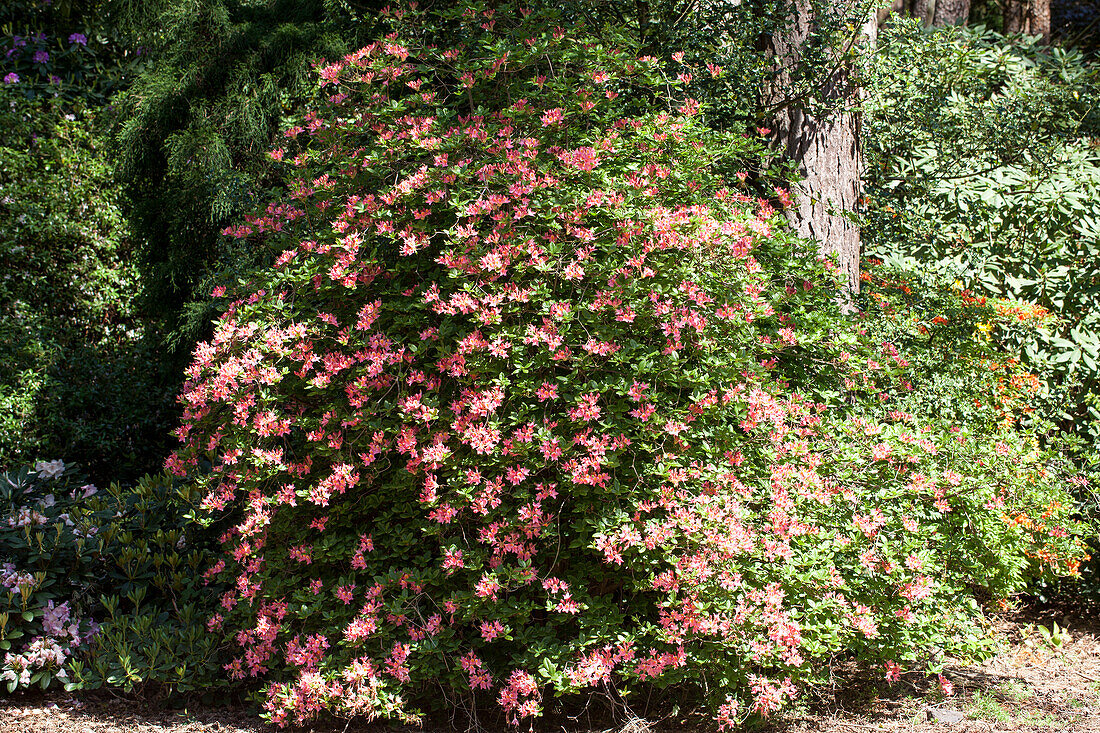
[535, 400]
[99, 586]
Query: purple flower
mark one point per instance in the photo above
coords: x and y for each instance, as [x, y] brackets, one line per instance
[55, 618]
[79, 38]
[11, 78]
[41, 57]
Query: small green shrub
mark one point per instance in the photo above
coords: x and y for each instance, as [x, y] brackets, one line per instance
[983, 384]
[103, 588]
[154, 599]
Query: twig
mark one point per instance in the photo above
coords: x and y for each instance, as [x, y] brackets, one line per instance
[857, 725]
[1087, 677]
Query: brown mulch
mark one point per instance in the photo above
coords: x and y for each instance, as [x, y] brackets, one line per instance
[69, 714]
[1033, 685]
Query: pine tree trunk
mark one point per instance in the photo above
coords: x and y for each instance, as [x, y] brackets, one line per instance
[1040, 19]
[951, 12]
[897, 6]
[924, 9]
[825, 148]
[942, 12]
[1033, 18]
[1016, 16]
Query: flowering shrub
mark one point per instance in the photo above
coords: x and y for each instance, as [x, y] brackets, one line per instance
[982, 168]
[534, 401]
[43, 576]
[73, 50]
[923, 317]
[71, 553]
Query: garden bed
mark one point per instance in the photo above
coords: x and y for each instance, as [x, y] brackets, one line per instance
[1036, 683]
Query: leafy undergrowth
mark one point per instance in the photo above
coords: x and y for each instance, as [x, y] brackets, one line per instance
[1045, 678]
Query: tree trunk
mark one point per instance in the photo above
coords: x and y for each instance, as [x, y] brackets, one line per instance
[941, 12]
[1016, 16]
[951, 12]
[897, 6]
[924, 9]
[825, 146]
[1040, 19]
[1033, 18]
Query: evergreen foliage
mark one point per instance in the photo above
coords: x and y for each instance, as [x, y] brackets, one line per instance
[196, 124]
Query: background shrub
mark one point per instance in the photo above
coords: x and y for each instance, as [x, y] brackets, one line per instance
[983, 171]
[925, 316]
[79, 378]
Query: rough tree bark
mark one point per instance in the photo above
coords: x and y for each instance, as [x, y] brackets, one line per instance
[951, 12]
[1016, 16]
[937, 12]
[897, 6]
[925, 10]
[1028, 16]
[1040, 19]
[824, 145]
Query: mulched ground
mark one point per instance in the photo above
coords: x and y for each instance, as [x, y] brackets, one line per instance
[1034, 684]
[1037, 683]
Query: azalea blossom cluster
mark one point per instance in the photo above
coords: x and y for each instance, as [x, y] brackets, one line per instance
[512, 412]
